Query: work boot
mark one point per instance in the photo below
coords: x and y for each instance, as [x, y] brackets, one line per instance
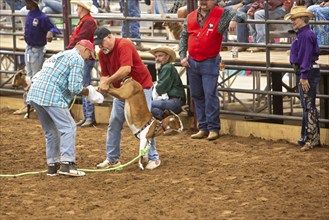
[88, 123]
[199, 135]
[213, 135]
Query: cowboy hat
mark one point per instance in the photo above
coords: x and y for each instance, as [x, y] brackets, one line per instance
[166, 50]
[35, 1]
[87, 4]
[298, 11]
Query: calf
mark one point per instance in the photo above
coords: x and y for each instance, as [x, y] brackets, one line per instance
[139, 118]
[20, 79]
[174, 29]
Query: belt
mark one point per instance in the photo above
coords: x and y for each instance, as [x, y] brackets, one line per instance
[35, 46]
[316, 66]
[175, 97]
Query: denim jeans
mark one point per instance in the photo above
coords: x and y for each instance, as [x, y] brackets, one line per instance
[116, 122]
[60, 132]
[310, 131]
[17, 4]
[203, 77]
[133, 11]
[258, 30]
[52, 7]
[242, 30]
[88, 107]
[34, 58]
[158, 107]
[157, 7]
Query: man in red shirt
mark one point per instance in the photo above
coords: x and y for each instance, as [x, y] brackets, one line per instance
[201, 37]
[119, 58]
[85, 31]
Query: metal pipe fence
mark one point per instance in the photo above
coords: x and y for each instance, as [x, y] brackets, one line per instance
[268, 69]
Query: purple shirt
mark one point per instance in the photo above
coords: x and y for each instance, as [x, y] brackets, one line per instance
[36, 27]
[304, 50]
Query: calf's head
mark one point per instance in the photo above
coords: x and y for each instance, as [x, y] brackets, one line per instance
[20, 79]
[172, 121]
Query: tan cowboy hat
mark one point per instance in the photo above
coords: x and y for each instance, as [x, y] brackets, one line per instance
[87, 4]
[298, 11]
[166, 50]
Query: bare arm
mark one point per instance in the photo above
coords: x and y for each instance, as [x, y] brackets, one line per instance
[121, 73]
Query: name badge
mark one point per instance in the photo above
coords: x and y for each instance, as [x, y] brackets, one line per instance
[35, 22]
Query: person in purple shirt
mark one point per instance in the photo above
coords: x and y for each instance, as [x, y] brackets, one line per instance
[304, 52]
[38, 30]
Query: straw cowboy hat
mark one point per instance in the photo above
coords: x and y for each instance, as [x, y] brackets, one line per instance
[166, 50]
[87, 4]
[298, 11]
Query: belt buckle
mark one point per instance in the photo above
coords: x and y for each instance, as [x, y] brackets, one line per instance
[316, 66]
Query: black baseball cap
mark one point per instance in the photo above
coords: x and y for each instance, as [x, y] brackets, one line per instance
[100, 34]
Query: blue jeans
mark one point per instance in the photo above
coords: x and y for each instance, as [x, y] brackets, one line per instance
[158, 107]
[34, 58]
[52, 7]
[258, 30]
[133, 11]
[116, 122]
[242, 30]
[60, 132]
[88, 107]
[17, 4]
[157, 7]
[310, 131]
[96, 4]
[203, 77]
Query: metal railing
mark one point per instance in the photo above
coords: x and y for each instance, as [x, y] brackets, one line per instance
[268, 69]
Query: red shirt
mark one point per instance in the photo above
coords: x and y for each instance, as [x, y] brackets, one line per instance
[205, 42]
[124, 53]
[84, 31]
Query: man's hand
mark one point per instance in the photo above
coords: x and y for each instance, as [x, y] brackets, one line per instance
[232, 26]
[49, 36]
[184, 62]
[104, 84]
[305, 85]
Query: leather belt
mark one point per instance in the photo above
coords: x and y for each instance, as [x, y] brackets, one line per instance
[175, 97]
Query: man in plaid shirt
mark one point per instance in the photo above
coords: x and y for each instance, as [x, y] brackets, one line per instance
[52, 89]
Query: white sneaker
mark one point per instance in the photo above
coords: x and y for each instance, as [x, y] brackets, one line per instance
[107, 164]
[152, 164]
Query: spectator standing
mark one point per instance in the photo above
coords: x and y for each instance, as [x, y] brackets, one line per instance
[304, 52]
[168, 84]
[50, 94]
[134, 26]
[85, 31]
[118, 59]
[202, 37]
[38, 31]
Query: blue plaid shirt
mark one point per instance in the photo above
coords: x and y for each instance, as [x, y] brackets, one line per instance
[58, 81]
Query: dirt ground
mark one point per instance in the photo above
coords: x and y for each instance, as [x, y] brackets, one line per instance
[231, 178]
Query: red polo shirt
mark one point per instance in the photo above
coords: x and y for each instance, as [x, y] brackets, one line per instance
[124, 53]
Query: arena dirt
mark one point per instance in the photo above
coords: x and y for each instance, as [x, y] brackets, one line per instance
[230, 178]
